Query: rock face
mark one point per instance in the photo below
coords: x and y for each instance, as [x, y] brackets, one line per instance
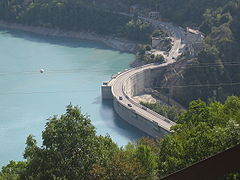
[174, 80]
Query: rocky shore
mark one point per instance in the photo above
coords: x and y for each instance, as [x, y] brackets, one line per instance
[113, 42]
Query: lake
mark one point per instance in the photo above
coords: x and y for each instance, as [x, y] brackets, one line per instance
[74, 72]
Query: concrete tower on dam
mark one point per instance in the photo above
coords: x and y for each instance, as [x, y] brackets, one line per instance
[106, 90]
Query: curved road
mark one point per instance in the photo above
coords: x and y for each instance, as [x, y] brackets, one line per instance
[118, 82]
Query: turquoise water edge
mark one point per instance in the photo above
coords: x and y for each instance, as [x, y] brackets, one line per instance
[74, 72]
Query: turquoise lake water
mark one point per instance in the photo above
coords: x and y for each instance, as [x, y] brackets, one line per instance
[74, 72]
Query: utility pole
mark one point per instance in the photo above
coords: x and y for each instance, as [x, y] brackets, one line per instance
[168, 91]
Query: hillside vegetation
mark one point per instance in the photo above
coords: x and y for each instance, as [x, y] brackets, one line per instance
[76, 15]
[71, 149]
[170, 112]
[219, 61]
[221, 54]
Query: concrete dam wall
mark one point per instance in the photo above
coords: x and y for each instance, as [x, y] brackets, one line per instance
[143, 123]
[135, 114]
[138, 82]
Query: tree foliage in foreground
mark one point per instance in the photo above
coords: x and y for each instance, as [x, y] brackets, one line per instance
[72, 150]
[203, 130]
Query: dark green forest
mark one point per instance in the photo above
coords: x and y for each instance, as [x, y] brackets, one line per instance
[77, 15]
[220, 58]
[70, 15]
[71, 149]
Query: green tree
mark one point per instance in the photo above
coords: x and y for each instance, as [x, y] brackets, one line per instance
[203, 130]
[159, 58]
[148, 159]
[159, 33]
[122, 166]
[13, 171]
[70, 148]
[170, 112]
[138, 31]
[148, 47]
[141, 49]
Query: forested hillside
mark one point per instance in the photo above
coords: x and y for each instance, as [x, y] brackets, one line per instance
[64, 14]
[218, 64]
[76, 15]
[222, 49]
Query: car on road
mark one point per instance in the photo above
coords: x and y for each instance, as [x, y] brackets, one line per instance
[166, 120]
[144, 108]
[129, 105]
[120, 98]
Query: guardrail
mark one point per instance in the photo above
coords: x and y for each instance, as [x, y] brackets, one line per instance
[114, 76]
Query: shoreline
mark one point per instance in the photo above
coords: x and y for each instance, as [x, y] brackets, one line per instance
[119, 44]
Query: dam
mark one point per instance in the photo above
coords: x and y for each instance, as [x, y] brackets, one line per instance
[123, 86]
[133, 82]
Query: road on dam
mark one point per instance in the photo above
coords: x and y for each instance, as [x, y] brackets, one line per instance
[118, 82]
